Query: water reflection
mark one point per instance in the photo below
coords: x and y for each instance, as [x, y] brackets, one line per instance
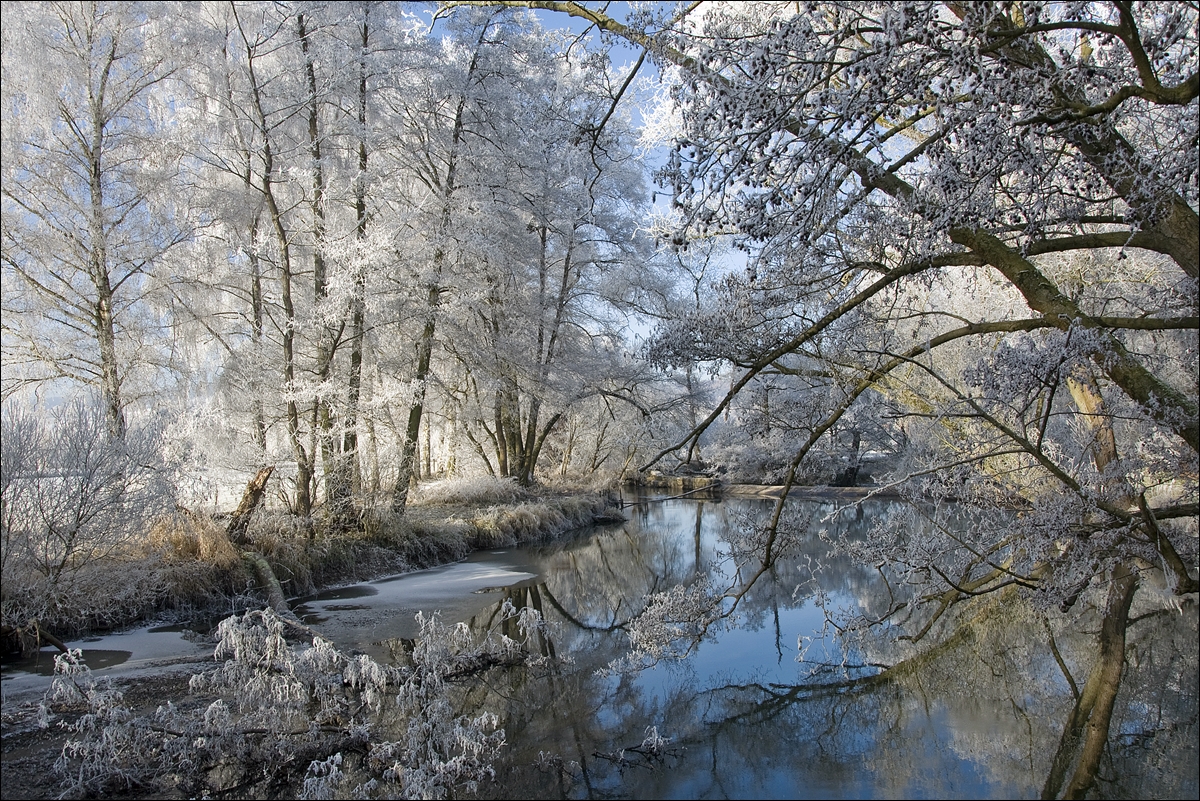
[978, 717]
[42, 663]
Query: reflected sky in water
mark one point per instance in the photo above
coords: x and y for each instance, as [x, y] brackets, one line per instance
[980, 720]
[746, 718]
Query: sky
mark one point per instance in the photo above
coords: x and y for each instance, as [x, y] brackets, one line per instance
[622, 55]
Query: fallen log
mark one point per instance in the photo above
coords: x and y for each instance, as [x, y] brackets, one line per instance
[31, 636]
[275, 597]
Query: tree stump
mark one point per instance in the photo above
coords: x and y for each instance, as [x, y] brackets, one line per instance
[255, 490]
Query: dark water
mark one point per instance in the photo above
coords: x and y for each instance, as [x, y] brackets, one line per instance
[745, 717]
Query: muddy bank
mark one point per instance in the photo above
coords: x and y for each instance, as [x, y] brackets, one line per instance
[29, 751]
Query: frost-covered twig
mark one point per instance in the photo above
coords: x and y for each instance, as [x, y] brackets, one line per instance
[312, 718]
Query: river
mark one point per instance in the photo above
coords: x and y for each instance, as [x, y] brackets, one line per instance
[743, 716]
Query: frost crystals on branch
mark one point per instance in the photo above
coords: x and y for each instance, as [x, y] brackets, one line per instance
[310, 721]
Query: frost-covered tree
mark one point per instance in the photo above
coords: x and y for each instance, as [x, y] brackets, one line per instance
[984, 214]
[503, 221]
[88, 215]
[556, 248]
[279, 132]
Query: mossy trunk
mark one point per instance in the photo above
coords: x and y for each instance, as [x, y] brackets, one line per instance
[266, 578]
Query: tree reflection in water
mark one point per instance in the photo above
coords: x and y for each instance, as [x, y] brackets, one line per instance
[978, 715]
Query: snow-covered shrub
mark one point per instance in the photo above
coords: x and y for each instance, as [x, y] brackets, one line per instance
[73, 493]
[105, 751]
[309, 721]
[76, 499]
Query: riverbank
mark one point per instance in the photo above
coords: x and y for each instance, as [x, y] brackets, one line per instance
[434, 531]
[201, 577]
[186, 567]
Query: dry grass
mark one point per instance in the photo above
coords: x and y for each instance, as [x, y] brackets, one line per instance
[502, 526]
[187, 564]
[424, 538]
[191, 537]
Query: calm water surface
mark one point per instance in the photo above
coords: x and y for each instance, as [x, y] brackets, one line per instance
[746, 718]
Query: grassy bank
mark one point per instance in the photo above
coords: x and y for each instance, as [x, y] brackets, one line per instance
[186, 565]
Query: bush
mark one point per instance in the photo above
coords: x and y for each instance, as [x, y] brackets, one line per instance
[72, 496]
[311, 720]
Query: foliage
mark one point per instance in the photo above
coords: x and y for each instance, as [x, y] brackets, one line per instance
[88, 212]
[109, 753]
[310, 721]
[965, 241]
[671, 625]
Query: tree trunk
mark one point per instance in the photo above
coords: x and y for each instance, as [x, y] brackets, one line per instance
[536, 451]
[275, 597]
[572, 431]
[425, 344]
[346, 479]
[109, 374]
[251, 499]
[266, 577]
[106, 339]
[373, 458]
[256, 335]
[337, 500]
[501, 440]
[408, 451]
[452, 445]
[1093, 709]
[1086, 394]
[303, 501]
[531, 445]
